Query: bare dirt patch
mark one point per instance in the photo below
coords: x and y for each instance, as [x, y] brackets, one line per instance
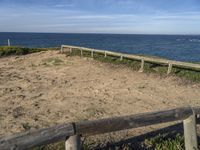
[48, 88]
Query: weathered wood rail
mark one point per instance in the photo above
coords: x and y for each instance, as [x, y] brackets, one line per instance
[72, 132]
[143, 59]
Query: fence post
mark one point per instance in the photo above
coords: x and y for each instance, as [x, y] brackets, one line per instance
[70, 50]
[61, 50]
[169, 68]
[73, 143]
[142, 66]
[190, 133]
[105, 55]
[92, 53]
[81, 52]
[9, 42]
[121, 58]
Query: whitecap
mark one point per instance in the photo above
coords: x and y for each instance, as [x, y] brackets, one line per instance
[194, 40]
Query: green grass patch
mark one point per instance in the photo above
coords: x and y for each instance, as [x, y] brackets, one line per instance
[57, 146]
[163, 142]
[7, 51]
[14, 50]
[185, 74]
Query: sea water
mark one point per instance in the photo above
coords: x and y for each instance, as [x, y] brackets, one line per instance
[174, 47]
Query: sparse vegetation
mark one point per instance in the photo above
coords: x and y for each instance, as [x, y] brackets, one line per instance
[14, 50]
[189, 75]
[57, 146]
[135, 65]
[162, 142]
[52, 61]
[6, 51]
[159, 142]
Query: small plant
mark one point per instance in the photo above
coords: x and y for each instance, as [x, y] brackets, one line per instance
[52, 61]
[26, 126]
[17, 112]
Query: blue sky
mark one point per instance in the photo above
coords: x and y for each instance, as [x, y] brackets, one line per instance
[101, 16]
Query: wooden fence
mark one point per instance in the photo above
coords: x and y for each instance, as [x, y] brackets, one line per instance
[143, 59]
[72, 132]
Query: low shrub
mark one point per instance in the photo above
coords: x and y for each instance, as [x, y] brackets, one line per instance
[14, 50]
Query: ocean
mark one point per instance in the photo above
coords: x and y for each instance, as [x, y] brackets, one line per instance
[174, 47]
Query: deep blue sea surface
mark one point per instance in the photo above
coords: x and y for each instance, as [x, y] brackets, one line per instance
[175, 47]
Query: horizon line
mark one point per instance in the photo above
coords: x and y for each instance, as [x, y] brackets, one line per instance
[103, 33]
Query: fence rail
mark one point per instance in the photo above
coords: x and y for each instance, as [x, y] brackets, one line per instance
[73, 131]
[143, 59]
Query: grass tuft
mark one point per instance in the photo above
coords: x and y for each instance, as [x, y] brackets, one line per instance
[162, 142]
[52, 61]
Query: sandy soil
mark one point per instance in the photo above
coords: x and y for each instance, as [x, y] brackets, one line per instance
[47, 88]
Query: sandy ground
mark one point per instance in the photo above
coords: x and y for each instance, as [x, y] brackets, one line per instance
[47, 88]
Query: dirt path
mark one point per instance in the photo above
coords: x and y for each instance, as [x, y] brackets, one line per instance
[48, 88]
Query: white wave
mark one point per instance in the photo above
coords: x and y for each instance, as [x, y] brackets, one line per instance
[194, 40]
